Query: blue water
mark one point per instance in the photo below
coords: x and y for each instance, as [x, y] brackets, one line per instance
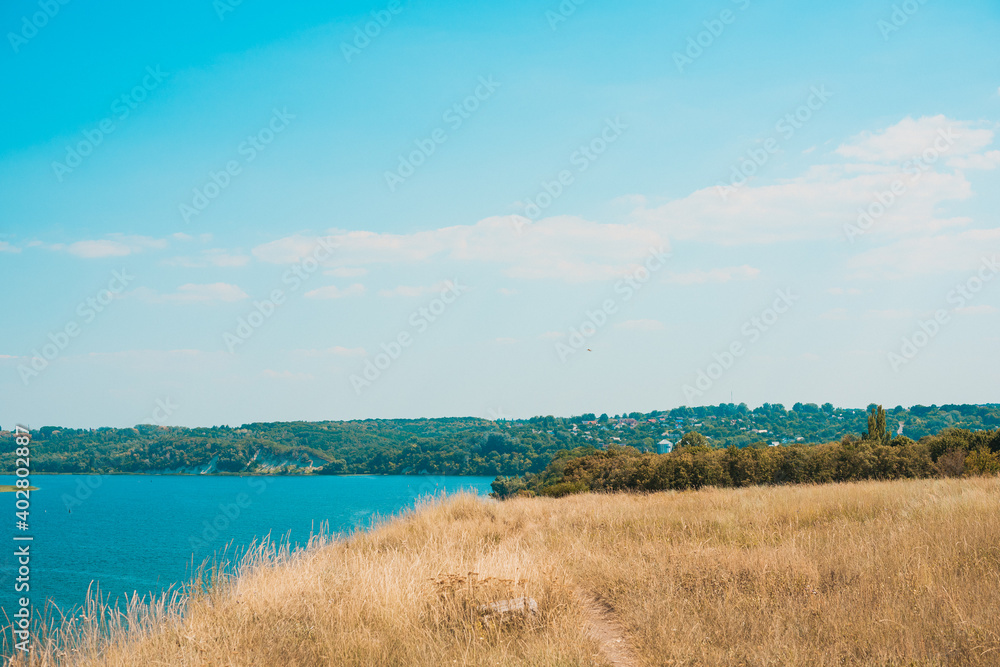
[141, 533]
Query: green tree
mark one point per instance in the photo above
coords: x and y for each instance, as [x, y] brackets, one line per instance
[693, 439]
[876, 427]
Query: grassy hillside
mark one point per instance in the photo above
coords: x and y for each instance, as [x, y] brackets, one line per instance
[870, 573]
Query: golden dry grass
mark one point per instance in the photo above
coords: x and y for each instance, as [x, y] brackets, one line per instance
[876, 573]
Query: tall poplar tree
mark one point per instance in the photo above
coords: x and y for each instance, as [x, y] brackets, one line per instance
[876, 427]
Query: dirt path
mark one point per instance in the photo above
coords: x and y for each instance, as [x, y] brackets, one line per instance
[605, 629]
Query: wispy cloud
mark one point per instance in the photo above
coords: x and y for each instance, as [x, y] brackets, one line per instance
[335, 351]
[982, 309]
[192, 293]
[818, 203]
[412, 290]
[346, 272]
[836, 314]
[217, 257]
[910, 137]
[116, 245]
[334, 292]
[565, 248]
[641, 325]
[723, 275]
[891, 314]
[286, 375]
[940, 253]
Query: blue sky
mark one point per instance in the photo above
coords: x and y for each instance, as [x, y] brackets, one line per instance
[562, 208]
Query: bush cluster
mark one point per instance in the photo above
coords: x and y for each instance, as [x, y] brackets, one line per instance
[952, 452]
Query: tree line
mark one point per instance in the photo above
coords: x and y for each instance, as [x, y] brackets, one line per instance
[460, 446]
[876, 454]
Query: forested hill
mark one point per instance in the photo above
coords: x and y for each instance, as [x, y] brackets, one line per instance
[457, 446]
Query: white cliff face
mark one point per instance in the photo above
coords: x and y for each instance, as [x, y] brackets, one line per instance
[263, 463]
[267, 463]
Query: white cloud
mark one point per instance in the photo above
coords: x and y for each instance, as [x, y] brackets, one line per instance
[982, 309]
[909, 138]
[208, 293]
[341, 351]
[335, 351]
[97, 249]
[552, 335]
[287, 250]
[641, 325]
[564, 248]
[963, 251]
[346, 272]
[216, 257]
[985, 161]
[7, 247]
[286, 375]
[161, 361]
[891, 314]
[838, 314]
[817, 204]
[334, 292]
[723, 275]
[841, 291]
[117, 245]
[407, 291]
[506, 291]
[194, 293]
[814, 206]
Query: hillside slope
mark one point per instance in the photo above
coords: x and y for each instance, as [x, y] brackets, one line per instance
[871, 573]
[456, 446]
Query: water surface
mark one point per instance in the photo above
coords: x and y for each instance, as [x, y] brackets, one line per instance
[143, 533]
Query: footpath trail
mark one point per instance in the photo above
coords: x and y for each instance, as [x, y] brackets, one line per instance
[605, 629]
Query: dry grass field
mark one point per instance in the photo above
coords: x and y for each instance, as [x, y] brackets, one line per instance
[875, 573]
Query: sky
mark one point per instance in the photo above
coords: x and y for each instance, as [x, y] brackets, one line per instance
[227, 212]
